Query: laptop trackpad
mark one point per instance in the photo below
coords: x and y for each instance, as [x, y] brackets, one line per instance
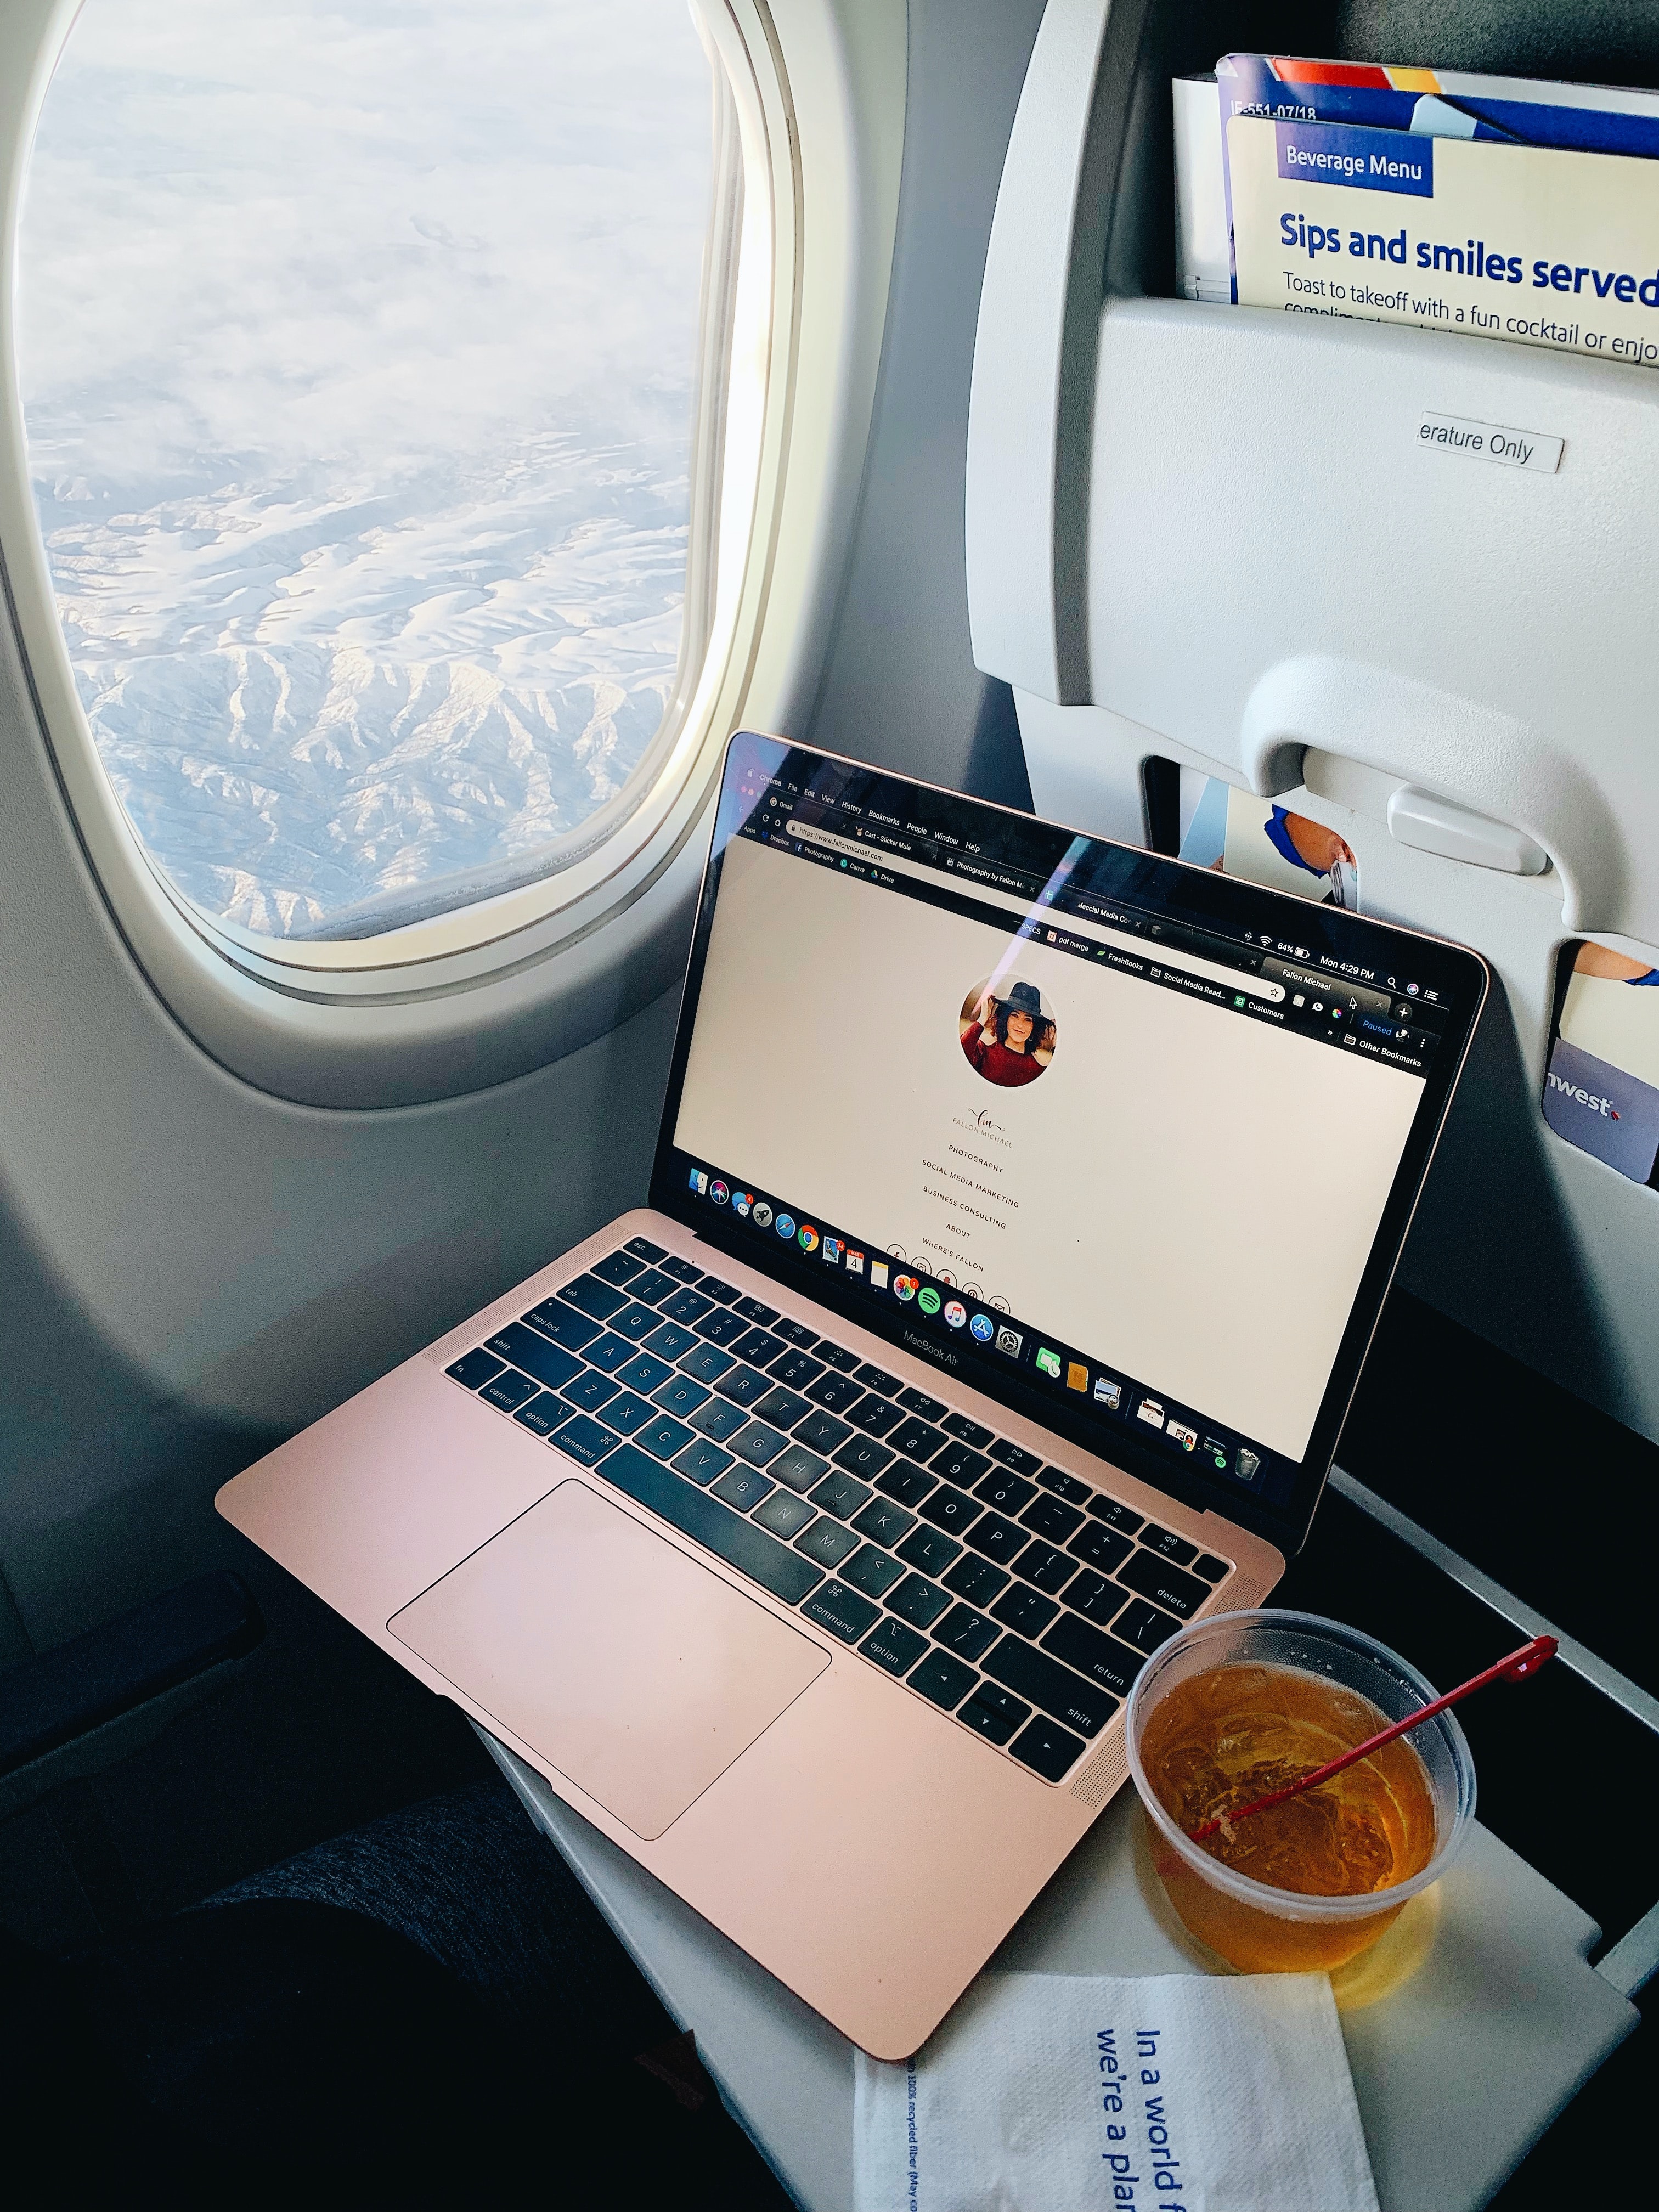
[629, 1668]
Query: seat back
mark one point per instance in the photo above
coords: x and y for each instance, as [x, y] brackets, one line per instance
[1207, 543]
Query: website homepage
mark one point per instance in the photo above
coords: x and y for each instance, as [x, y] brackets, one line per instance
[1122, 1156]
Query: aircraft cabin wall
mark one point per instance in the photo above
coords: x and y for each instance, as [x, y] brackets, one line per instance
[193, 1264]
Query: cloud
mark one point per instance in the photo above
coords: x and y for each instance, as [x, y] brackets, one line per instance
[311, 232]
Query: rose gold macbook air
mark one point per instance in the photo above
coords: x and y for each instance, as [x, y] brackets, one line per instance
[1022, 1207]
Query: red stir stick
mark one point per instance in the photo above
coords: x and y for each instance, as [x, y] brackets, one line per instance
[1516, 1669]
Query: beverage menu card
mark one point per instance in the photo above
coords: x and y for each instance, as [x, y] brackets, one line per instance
[1535, 245]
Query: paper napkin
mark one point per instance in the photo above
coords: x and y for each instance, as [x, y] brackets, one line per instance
[1183, 2093]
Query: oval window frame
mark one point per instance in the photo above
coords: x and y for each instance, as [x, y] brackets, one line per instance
[481, 992]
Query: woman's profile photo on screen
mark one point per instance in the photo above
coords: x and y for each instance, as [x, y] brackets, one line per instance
[1007, 1033]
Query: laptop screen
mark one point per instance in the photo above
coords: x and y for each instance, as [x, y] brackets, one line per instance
[1127, 1145]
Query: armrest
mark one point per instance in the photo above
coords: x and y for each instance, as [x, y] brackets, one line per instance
[96, 1678]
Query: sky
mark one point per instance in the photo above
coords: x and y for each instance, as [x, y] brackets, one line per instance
[357, 346]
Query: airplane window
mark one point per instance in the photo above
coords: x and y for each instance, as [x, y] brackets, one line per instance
[359, 345]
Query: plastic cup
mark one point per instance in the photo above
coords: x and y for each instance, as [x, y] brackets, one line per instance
[1259, 1929]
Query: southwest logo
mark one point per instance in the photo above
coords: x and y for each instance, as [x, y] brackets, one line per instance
[1580, 1097]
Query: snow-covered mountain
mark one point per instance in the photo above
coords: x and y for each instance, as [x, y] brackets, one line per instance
[306, 702]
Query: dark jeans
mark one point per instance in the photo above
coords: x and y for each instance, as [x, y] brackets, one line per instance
[429, 2007]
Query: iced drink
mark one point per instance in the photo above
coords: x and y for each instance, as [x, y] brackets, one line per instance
[1228, 1735]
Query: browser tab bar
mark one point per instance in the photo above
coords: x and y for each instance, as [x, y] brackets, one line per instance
[1161, 946]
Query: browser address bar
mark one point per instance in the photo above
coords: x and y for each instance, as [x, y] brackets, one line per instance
[1186, 964]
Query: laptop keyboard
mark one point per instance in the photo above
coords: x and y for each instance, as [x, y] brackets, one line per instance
[1004, 1590]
